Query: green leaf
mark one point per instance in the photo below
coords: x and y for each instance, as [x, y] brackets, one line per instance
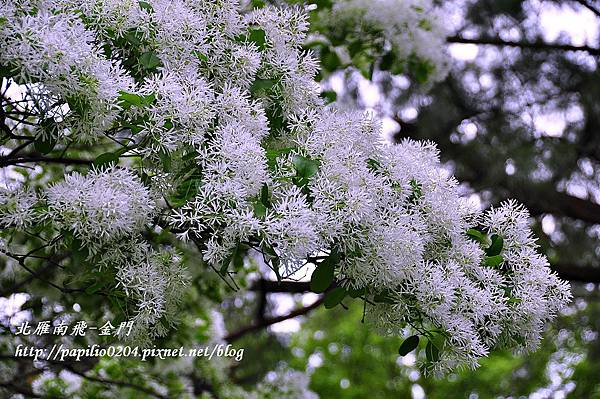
[272, 156]
[334, 297]
[329, 95]
[145, 6]
[6, 71]
[432, 353]
[373, 164]
[260, 211]
[149, 60]
[272, 258]
[387, 61]
[383, 297]
[425, 25]
[165, 160]
[225, 265]
[97, 286]
[324, 3]
[408, 345]
[200, 56]
[357, 292]
[258, 36]
[439, 340]
[305, 167]
[126, 100]
[480, 237]
[132, 38]
[330, 61]
[354, 48]
[239, 254]
[323, 276]
[44, 145]
[186, 190]
[496, 247]
[79, 252]
[107, 157]
[261, 86]
[264, 195]
[421, 69]
[493, 261]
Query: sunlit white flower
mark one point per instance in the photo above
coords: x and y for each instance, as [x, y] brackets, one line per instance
[102, 206]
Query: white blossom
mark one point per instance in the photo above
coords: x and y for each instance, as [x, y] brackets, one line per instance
[410, 27]
[102, 206]
[283, 383]
[56, 50]
[223, 99]
[17, 207]
[154, 280]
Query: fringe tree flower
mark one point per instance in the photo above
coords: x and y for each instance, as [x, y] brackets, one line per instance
[154, 280]
[284, 383]
[17, 207]
[414, 30]
[220, 104]
[102, 206]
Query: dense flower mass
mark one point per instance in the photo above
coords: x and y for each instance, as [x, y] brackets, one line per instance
[413, 30]
[154, 280]
[57, 50]
[219, 106]
[100, 207]
[17, 207]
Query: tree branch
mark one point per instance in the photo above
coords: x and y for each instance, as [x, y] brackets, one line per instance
[295, 287]
[120, 383]
[580, 274]
[529, 45]
[540, 199]
[589, 7]
[274, 320]
[35, 158]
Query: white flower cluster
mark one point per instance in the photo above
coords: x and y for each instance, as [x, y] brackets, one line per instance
[154, 280]
[101, 207]
[17, 207]
[397, 220]
[56, 52]
[540, 293]
[283, 383]
[325, 183]
[411, 27]
[228, 95]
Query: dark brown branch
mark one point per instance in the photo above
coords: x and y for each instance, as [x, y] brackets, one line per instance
[36, 158]
[28, 393]
[120, 383]
[529, 45]
[52, 262]
[580, 274]
[274, 320]
[589, 7]
[269, 286]
[541, 199]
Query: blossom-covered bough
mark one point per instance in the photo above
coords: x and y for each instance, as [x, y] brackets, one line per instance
[402, 37]
[206, 123]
